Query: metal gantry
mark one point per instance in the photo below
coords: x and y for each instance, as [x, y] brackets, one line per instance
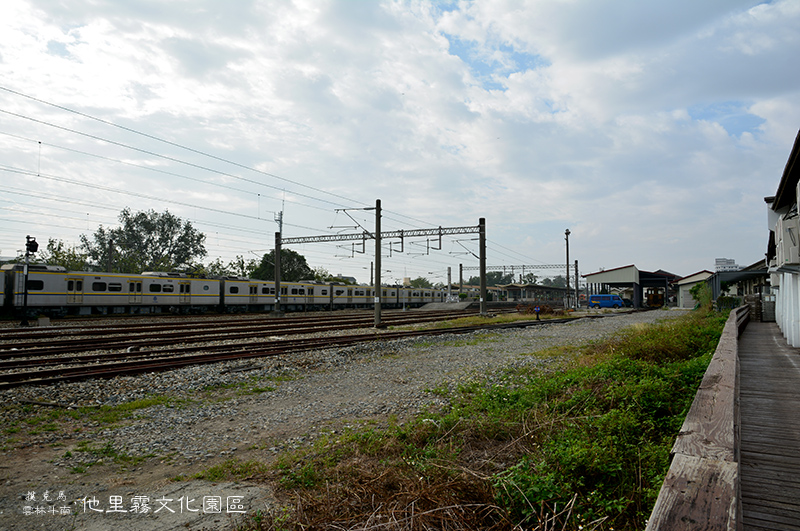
[378, 236]
[530, 267]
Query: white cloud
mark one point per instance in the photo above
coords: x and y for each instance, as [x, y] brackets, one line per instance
[643, 126]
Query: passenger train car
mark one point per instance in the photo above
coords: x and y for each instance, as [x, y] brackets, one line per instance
[52, 290]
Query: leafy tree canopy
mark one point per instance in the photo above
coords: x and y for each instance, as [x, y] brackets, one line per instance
[557, 282]
[238, 267]
[421, 282]
[323, 275]
[60, 254]
[293, 267]
[147, 241]
[493, 278]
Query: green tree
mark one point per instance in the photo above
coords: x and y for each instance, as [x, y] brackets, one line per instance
[529, 278]
[243, 268]
[59, 253]
[217, 268]
[421, 282]
[147, 241]
[323, 275]
[701, 292]
[557, 282]
[493, 278]
[293, 267]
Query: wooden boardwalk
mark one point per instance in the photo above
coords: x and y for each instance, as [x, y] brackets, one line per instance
[770, 429]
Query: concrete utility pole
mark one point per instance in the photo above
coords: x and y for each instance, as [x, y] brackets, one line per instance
[277, 308]
[577, 290]
[449, 284]
[482, 260]
[567, 301]
[377, 263]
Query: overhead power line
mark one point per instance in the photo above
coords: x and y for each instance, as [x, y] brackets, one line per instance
[165, 141]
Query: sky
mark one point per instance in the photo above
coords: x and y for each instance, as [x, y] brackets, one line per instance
[651, 130]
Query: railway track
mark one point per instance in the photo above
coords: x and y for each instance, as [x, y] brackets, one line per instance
[48, 360]
[22, 343]
[17, 370]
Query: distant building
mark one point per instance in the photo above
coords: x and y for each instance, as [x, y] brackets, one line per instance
[726, 264]
[684, 286]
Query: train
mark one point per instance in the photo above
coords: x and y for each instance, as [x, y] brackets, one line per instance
[56, 292]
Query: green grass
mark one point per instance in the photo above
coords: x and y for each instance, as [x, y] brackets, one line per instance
[233, 470]
[587, 445]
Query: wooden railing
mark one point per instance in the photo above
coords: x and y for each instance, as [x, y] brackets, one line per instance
[701, 490]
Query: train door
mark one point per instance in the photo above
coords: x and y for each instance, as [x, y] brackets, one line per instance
[75, 291]
[253, 293]
[349, 296]
[134, 291]
[309, 298]
[184, 292]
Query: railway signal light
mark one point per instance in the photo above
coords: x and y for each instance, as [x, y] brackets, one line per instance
[31, 244]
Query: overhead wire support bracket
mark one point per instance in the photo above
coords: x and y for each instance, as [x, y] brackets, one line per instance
[503, 268]
[410, 233]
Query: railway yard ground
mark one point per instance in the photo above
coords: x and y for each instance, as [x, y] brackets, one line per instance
[97, 449]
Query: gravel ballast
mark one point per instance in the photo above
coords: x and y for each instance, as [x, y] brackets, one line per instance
[252, 409]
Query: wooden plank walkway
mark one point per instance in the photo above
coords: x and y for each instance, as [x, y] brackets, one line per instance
[770, 429]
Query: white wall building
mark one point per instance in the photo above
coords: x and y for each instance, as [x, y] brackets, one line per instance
[783, 251]
[725, 264]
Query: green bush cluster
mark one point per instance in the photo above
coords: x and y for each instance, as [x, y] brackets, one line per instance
[603, 439]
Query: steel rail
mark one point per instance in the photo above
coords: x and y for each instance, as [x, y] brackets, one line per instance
[52, 376]
[11, 350]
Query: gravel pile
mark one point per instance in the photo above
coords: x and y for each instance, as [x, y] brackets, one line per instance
[280, 402]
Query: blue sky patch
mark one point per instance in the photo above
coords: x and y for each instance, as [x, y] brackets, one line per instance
[57, 48]
[488, 67]
[732, 115]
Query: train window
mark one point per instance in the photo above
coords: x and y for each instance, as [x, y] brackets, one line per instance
[98, 286]
[79, 285]
[310, 291]
[349, 293]
[168, 288]
[272, 291]
[324, 292]
[70, 285]
[339, 291]
[155, 288]
[131, 287]
[234, 289]
[253, 290]
[115, 286]
[283, 291]
[265, 290]
[138, 287]
[301, 291]
[35, 285]
[294, 291]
